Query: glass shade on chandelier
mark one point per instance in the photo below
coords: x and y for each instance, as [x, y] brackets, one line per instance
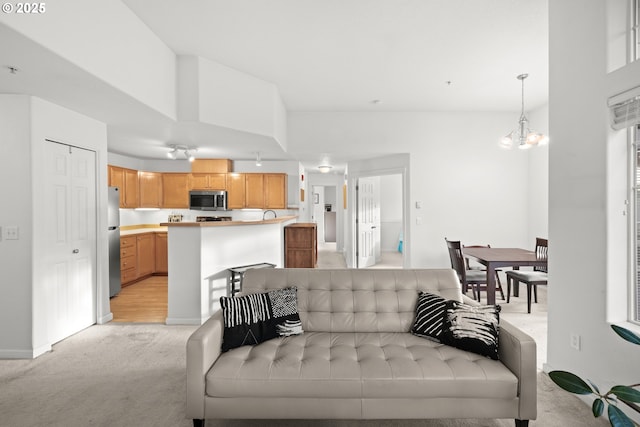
[523, 136]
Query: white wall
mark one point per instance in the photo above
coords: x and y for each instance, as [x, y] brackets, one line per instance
[213, 93]
[25, 332]
[17, 209]
[587, 274]
[390, 211]
[105, 39]
[470, 188]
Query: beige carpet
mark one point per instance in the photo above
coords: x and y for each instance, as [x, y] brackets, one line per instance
[134, 375]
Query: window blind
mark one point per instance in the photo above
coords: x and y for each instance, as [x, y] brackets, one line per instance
[625, 109]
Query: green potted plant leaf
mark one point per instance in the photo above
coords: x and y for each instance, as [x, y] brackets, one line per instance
[619, 393]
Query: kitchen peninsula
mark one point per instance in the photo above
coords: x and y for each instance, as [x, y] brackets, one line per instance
[200, 254]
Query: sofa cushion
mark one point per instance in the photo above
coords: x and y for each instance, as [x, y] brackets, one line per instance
[472, 328]
[252, 319]
[354, 365]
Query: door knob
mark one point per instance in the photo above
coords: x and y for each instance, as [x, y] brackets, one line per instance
[76, 251]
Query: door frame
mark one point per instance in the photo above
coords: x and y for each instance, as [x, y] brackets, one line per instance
[352, 181]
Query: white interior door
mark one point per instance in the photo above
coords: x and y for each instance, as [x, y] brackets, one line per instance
[367, 221]
[71, 241]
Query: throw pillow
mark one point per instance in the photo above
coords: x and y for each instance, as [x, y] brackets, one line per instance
[472, 328]
[255, 318]
[429, 316]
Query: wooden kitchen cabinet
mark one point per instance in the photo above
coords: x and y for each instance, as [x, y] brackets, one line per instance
[127, 181]
[235, 190]
[128, 260]
[254, 190]
[146, 254]
[211, 166]
[162, 258]
[208, 181]
[275, 191]
[150, 190]
[175, 190]
[300, 245]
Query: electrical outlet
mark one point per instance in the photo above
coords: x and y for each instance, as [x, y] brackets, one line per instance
[10, 232]
[575, 341]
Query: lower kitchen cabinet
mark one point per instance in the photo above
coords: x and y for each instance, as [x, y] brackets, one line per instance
[162, 258]
[300, 245]
[146, 254]
[142, 255]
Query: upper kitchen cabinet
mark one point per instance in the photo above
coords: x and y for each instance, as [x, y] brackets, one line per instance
[150, 189]
[254, 190]
[127, 181]
[208, 181]
[211, 166]
[175, 190]
[275, 191]
[235, 190]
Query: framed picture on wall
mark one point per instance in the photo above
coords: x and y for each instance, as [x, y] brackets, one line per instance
[316, 198]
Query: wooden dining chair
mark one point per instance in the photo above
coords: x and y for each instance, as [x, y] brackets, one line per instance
[473, 278]
[530, 278]
[481, 268]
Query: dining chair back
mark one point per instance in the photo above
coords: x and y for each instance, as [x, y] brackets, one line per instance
[468, 278]
[530, 278]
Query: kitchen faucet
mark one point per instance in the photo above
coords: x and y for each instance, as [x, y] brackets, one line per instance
[275, 215]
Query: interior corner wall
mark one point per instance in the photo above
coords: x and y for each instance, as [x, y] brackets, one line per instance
[579, 198]
[17, 210]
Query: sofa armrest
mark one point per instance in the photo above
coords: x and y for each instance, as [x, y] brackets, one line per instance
[203, 349]
[517, 351]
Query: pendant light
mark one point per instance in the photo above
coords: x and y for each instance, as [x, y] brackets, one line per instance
[522, 135]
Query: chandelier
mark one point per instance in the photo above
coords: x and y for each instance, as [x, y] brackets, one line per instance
[522, 135]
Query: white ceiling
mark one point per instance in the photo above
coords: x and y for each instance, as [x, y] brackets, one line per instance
[324, 55]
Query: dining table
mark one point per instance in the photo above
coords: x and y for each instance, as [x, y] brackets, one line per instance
[493, 258]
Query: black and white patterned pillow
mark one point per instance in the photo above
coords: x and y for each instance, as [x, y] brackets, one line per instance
[429, 316]
[472, 328]
[254, 318]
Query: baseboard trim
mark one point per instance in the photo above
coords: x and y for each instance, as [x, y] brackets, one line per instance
[24, 354]
[105, 319]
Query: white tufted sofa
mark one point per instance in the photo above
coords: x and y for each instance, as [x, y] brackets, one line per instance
[356, 358]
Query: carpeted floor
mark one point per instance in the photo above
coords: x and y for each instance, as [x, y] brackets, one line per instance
[134, 375]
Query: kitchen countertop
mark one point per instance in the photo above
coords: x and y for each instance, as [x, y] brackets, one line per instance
[229, 223]
[129, 230]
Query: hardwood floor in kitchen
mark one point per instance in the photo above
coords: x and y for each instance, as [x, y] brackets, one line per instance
[142, 302]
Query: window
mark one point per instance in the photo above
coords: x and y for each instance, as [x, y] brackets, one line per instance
[635, 227]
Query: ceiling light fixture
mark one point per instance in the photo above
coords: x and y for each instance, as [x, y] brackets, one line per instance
[522, 135]
[258, 160]
[325, 168]
[187, 151]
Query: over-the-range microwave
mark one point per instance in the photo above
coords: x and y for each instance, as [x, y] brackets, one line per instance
[203, 200]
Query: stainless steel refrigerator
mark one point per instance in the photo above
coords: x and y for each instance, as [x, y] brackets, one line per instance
[113, 218]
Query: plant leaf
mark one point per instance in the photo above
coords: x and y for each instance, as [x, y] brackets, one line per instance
[626, 393]
[597, 408]
[617, 418]
[626, 334]
[593, 386]
[570, 382]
